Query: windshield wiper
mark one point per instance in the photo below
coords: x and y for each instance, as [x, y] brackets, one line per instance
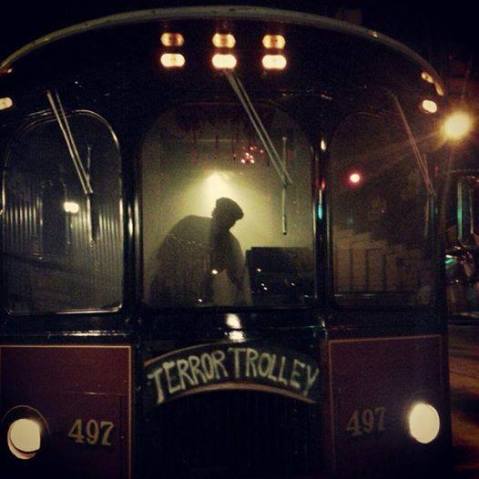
[420, 160]
[268, 145]
[60, 116]
[263, 135]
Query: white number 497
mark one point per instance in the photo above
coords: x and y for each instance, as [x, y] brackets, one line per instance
[366, 421]
[91, 432]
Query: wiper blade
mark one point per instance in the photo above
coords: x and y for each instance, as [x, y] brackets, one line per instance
[60, 116]
[261, 131]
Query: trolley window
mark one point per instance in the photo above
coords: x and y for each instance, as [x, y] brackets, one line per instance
[62, 246]
[379, 214]
[220, 226]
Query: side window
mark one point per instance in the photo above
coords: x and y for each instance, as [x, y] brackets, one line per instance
[62, 248]
[379, 215]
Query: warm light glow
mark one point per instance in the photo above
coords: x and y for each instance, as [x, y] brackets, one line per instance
[355, 178]
[429, 106]
[277, 42]
[427, 77]
[424, 423]
[439, 89]
[223, 40]
[6, 103]
[323, 145]
[457, 125]
[71, 207]
[172, 39]
[172, 60]
[224, 61]
[24, 438]
[274, 62]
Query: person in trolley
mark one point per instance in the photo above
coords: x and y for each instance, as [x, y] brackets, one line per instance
[200, 261]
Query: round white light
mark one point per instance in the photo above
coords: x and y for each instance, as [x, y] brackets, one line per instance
[424, 423]
[457, 125]
[24, 438]
[429, 106]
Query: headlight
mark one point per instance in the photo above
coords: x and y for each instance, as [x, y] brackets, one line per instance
[24, 438]
[424, 422]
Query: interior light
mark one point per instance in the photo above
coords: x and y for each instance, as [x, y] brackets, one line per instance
[424, 423]
[439, 89]
[427, 77]
[223, 40]
[172, 39]
[24, 438]
[277, 42]
[457, 125]
[223, 61]
[274, 62]
[172, 60]
[429, 106]
[71, 207]
[6, 103]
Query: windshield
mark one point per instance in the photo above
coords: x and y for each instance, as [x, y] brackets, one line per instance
[221, 227]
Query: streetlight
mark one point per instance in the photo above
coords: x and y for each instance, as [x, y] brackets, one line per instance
[457, 125]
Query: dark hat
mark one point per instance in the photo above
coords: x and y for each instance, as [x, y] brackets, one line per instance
[229, 206]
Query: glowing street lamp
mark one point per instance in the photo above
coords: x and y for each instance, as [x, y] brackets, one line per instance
[457, 125]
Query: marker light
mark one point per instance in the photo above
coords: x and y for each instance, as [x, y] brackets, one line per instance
[223, 61]
[427, 77]
[429, 106]
[424, 423]
[71, 207]
[457, 125]
[276, 42]
[172, 60]
[274, 62]
[223, 40]
[6, 103]
[172, 39]
[24, 438]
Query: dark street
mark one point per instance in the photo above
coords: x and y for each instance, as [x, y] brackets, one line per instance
[464, 378]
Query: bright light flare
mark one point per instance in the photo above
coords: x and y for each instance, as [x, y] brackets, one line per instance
[274, 62]
[223, 61]
[424, 423]
[457, 125]
[24, 437]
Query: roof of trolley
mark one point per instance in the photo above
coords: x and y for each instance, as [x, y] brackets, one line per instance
[252, 13]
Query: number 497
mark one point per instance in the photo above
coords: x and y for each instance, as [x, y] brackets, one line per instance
[366, 421]
[91, 432]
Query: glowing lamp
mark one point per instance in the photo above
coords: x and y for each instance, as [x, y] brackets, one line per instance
[424, 423]
[276, 42]
[223, 40]
[6, 103]
[429, 106]
[457, 125]
[223, 61]
[24, 437]
[172, 60]
[172, 39]
[274, 62]
[355, 178]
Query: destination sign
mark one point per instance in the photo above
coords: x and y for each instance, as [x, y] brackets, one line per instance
[232, 366]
